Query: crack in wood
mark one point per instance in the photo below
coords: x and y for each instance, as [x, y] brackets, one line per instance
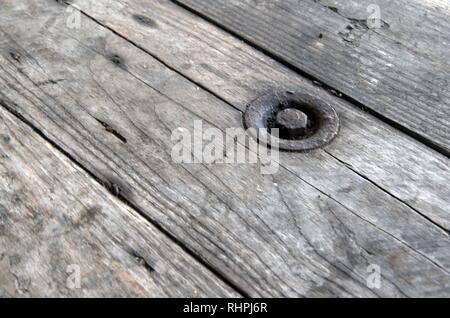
[245, 34]
[111, 130]
[140, 260]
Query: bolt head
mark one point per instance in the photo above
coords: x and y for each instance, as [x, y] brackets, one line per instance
[292, 123]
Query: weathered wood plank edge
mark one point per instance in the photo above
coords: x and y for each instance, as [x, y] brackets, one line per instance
[442, 227]
[111, 187]
[114, 190]
[53, 214]
[203, 86]
[429, 142]
[187, 87]
[401, 20]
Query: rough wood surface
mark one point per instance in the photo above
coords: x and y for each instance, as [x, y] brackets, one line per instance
[237, 74]
[56, 222]
[312, 229]
[385, 69]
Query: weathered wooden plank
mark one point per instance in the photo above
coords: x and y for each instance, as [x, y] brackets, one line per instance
[385, 72]
[237, 74]
[417, 25]
[270, 235]
[56, 223]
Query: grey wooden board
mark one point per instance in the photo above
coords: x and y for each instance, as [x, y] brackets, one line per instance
[422, 26]
[330, 40]
[56, 222]
[237, 74]
[270, 235]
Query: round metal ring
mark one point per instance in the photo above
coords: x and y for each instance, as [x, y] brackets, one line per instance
[323, 124]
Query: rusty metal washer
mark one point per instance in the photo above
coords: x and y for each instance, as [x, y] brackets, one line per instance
[322, 126]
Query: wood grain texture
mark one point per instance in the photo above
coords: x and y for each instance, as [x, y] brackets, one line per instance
[331, 41]
[55, 220]
[293, 233]
[417, 25]
[237, 74]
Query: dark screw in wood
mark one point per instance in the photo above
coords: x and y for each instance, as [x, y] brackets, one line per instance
[304, 122]
[292, 123]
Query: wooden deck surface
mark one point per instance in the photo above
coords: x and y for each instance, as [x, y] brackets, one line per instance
[91, 91]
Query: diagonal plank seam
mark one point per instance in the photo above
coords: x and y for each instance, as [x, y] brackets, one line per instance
[447, 231]
[424, 140]
[384, 24]
[317, 82]
[114, 185]
[117, 194]
[318, 189]
[150, 53]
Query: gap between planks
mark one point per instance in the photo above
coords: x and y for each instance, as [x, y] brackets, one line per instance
[223, 21]
[216, 94]
[57, 221]
[115, 190]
